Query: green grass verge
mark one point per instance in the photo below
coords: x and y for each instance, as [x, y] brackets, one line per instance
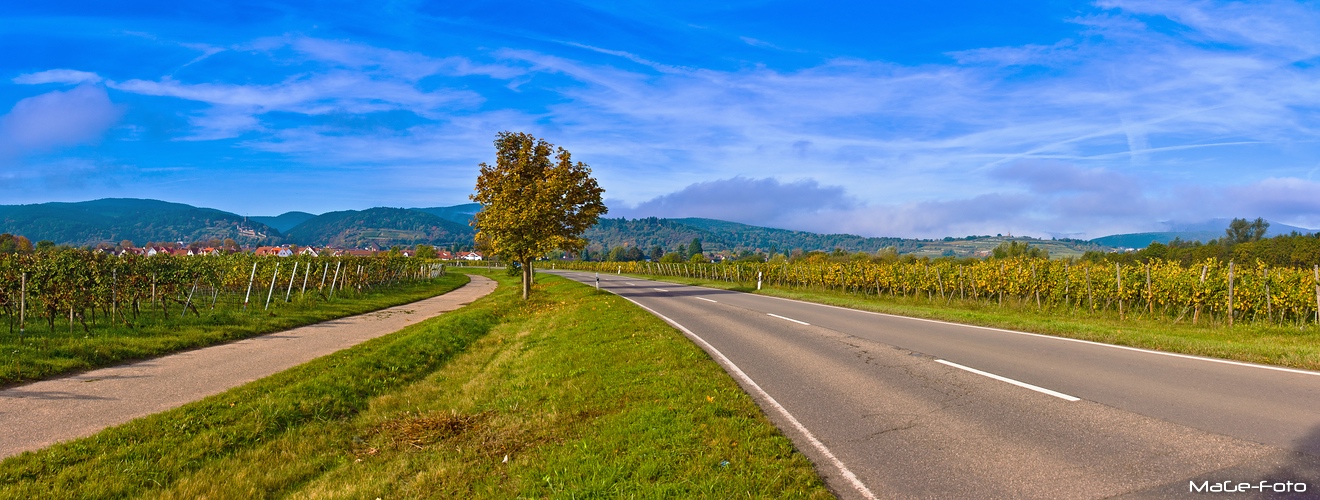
[1296, 346]
[45, 354]
[584, 393]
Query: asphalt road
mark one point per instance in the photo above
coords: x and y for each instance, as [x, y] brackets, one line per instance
[895, 407]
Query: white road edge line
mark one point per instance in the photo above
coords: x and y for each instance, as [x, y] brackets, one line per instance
[706, 299]
[790, 319]
[1025, 385]
[747, 382]
[1080, 341]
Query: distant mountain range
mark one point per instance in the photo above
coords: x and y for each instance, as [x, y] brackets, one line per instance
[113, 220]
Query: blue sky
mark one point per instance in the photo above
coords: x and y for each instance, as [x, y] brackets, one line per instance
[915, 119]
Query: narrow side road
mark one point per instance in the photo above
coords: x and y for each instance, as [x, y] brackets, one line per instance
[43, 413]
[895, 407]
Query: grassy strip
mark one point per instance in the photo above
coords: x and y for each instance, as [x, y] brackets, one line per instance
[45, 355]
[575, 393]
[1296, 346]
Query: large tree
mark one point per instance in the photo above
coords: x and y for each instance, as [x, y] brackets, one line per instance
[532, 203]
[1241, 231]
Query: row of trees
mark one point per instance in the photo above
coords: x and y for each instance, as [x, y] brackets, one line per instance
[1243, 241]
[683, 253]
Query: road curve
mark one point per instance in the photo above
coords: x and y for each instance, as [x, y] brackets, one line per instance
[39, 414]
[894, 407]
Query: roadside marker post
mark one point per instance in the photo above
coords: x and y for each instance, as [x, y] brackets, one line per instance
[598, 281]
[758, 280]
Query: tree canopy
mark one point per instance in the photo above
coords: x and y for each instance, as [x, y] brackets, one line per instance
[533, 203]
[1241, 231]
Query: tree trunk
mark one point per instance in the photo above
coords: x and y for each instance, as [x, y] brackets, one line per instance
[527, 278]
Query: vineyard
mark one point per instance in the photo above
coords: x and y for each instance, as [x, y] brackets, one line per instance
[83, 284]
[1211, 291]
[75, 309]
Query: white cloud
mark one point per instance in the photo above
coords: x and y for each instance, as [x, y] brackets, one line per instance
[57, 119]
[68, 76]
[765, 202]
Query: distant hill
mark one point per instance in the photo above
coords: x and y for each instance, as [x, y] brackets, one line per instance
[112, 220]
[718, 235]
[382, 227]
[457, 213]
[285, 221]
[1197, 231]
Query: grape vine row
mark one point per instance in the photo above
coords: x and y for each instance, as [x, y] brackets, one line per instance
[1210, 290]
[79, 285]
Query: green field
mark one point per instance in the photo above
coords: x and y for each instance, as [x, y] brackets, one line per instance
[45, 353]
[576, 393]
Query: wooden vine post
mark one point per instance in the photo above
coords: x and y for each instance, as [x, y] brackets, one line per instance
[1197, 314]
[271, 291]
[22, 307]
[1035, 287]
[1230, 293]
[289, 292]
[1269, 308]
[1118, 278]
[1090, 297]
[1150, 296]
[1067, 280]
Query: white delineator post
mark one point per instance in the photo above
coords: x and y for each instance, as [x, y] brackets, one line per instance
[598, 281]
[758, 280]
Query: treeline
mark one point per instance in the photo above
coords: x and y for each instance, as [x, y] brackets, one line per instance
[1243, 241]
[645, 234]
